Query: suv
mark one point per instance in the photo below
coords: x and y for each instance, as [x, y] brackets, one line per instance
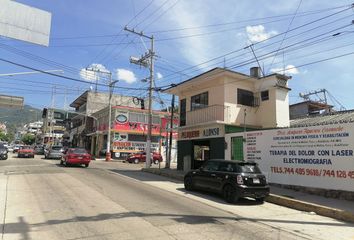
[232, 179]
[3, 152]
[141, 157]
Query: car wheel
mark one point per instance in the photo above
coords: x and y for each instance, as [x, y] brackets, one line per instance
[260, 200]
[136, 160]
[229, 194]
[86, 165]
[66, 164]
[188, 184]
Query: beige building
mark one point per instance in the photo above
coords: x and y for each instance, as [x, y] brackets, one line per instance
[223, 101]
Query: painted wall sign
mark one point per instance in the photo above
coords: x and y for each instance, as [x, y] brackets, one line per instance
[129, 146]
[121, 118]
[208, 132]
[318, 156]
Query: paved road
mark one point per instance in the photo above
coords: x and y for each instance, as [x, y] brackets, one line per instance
[41, 200]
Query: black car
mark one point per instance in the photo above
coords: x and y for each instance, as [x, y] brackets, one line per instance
[3, 152]
[232, 179]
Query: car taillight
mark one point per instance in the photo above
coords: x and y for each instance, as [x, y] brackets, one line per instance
[239, 180]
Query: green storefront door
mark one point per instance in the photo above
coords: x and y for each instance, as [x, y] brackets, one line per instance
[237, 148]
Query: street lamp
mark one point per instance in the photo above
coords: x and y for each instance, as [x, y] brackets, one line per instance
[111, 85]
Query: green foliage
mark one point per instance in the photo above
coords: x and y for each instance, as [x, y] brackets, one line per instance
[4, 137]
[28, 139]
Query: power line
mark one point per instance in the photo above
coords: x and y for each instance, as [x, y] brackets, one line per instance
[60, 76]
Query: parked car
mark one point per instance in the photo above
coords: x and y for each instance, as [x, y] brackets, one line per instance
[10, 148]
[39, 149]
[54, 152]
[3, 152]
[141, 157]
[25, 151]
[76, 156]
[16, 148]
[232, 179]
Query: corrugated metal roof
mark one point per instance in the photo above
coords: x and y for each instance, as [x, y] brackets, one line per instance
[330, 118]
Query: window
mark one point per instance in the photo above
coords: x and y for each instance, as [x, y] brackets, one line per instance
[227, 167]
[199, 101]
[265, 95]
[245, 97]
[211, 166]
[182, 117]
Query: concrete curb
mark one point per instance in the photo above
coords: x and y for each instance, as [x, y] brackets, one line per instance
[310, 207]
[279, 200]
[162, 173]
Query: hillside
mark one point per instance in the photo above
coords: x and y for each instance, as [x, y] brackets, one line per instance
[14, 118]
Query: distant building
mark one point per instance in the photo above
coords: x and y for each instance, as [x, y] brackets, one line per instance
[85, 105]
[309, 108]
[129, 131]
[3, 128]
[55, 125]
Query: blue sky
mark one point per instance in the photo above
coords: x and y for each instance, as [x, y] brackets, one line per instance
[191, 37]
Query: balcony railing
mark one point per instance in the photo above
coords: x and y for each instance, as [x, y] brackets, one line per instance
[208, 114]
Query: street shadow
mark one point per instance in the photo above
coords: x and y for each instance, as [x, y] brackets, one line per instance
[218, 198]
[70, 166]
[21, 227]
[24, 228]
[143, 176]
[181, 218]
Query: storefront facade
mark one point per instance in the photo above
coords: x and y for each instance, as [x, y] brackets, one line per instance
[129, 131]
[198, 144]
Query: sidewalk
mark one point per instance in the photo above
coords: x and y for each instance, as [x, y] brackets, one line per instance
[329, 207]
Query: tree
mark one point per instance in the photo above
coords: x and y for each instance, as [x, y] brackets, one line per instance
[28, 139]
[4, 137]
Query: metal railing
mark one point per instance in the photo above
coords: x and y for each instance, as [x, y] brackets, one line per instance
[208, 114]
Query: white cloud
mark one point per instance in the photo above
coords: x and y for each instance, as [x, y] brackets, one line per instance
[126, 75]
[90, 74]
[258, 33]
[289, 69]
[159, 76]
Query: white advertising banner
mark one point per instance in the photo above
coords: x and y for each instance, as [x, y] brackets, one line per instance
[317, 156]
[24, 23]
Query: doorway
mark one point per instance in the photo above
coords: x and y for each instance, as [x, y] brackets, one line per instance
[201, 153]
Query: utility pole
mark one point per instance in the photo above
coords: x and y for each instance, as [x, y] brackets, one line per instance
[145, 61]
[168, 160]
[111, 85]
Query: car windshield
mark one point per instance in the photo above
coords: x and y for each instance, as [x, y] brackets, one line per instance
[79, 151]
[56, 148]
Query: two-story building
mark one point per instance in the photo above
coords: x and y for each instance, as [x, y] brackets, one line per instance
[129, 129]
[222, 101]
[85, 105]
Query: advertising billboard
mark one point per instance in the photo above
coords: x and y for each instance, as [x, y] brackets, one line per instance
[318, 156]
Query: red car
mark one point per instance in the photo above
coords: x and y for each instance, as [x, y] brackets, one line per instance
[25, 151]
[141, 157]
[76, 156]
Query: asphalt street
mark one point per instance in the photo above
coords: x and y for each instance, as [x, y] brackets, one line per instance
[39, 199]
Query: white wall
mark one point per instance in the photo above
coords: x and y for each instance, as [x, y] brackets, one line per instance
[318, 156]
